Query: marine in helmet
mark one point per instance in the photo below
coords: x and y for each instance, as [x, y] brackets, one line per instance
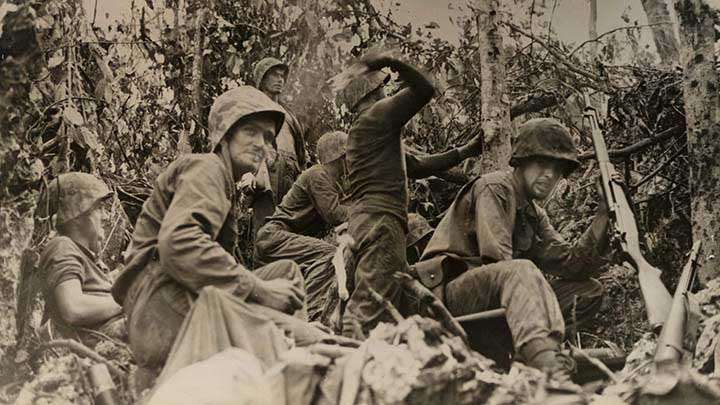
[318, 201]
[378, 182]
[77, 286]
[315, 204]
[504, 242]
[186, 233]
[286, 162]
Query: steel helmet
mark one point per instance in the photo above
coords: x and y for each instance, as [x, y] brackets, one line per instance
[418, 228]
[331, 146]
[544, 137]
[239, 103]
[360, 87]
[71, 195]
[263, 66]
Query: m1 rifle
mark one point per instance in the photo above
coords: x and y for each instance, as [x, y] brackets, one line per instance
[669, 349]
[625, 233]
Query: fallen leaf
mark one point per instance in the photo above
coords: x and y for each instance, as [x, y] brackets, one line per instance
[56, 59]
[72, 116]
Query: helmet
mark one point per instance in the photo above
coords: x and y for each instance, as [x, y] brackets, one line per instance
[239, 103]
[70, 195]
[262, 67]
[418, 228]
[544, 137]
[360, 87]
[331, 146]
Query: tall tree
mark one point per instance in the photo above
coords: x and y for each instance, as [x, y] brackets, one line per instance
[662, 29]
[494, 103]
[592, 28]
[702, 111]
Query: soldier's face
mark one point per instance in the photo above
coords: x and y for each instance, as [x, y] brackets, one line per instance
[90, 225]
[248, 143]
[540, 176]
[274, 81]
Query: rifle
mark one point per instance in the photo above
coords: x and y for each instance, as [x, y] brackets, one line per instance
[670, 344]
[656, 296]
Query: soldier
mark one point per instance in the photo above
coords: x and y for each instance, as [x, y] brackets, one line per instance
[289, 160]
[378, 183]
[504, 239]
[314, 203]
[77, 286]
[187, 231]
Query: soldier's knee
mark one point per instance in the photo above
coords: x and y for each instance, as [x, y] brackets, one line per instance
[525, 268]
[289, 268]
[595, 288]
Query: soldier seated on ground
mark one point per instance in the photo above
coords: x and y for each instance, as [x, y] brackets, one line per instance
[318, 201]
[504, 239]
[77, 286]
[315, 203]
[186, 233]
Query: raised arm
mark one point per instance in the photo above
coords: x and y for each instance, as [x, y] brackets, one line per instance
[399, 108]
[420, 166]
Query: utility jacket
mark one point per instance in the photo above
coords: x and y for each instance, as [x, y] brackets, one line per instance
[491, 220]
[189, 225]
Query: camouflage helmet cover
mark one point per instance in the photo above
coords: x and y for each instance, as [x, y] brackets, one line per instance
[331, 146]
[359, 87]
[71, 195]
[544, 137]
[238, 103]
[418, 228]
[263, 66]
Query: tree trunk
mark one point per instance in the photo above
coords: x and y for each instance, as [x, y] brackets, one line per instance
[196, 80]
[494, 104]
[702, 111]
[592, 27]
[663, 34]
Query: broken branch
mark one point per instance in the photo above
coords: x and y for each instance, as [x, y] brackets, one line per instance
[425, 296]
[386, 304]
[82, 350]
[636, 147]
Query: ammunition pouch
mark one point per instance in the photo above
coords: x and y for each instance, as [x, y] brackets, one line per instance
[436, 272]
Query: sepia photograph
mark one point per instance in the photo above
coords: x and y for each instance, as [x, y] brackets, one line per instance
[359, 202]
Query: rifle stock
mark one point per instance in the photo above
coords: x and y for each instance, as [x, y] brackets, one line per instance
[656, 296]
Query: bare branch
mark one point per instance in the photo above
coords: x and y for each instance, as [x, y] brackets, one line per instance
[586, 74]
[597, 39]
[636, 147]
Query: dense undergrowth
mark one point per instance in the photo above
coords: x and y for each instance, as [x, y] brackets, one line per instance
[123, 101]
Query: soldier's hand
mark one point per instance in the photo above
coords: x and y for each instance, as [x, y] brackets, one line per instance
[247, 182]
[377, 60]
[279, 294]
[615, 178]
[473, 148]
